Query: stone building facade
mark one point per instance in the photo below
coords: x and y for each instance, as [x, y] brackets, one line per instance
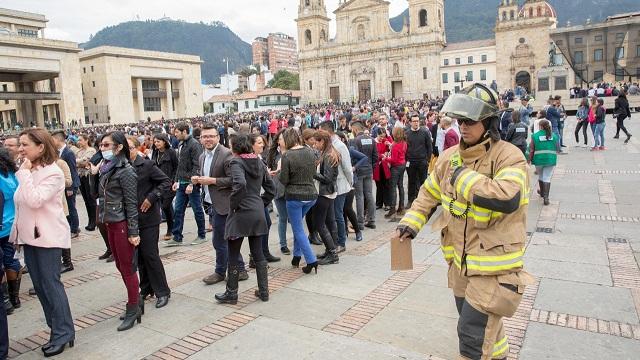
[523, 42]
[122, 85]
[367, 59]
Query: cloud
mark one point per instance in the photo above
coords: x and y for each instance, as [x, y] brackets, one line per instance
[75, 20]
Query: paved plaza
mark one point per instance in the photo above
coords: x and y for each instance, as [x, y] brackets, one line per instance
[583, 248]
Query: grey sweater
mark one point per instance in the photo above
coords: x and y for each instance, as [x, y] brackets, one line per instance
[296, 174]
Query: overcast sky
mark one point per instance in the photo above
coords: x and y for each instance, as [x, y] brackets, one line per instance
[74, 20]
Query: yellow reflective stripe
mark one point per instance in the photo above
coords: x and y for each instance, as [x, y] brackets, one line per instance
[511, 172]
[500, 348]
[518, 176]
[491, 263]
[415, 224]
[416, 216]
[475, 212]
[466, 187]
[448, 252]
[461, 180]
[432, 187]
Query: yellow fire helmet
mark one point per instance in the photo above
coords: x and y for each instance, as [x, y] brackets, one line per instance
[476, 102]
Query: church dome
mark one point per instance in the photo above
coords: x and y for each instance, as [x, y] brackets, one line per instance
[534, 8]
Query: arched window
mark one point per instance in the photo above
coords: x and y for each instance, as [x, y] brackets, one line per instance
[361, 32]
[323, 35]
[539, 11]
[530, 12]
[422, 15]
[512, 15]
[307, 37]
[307, 2]
[333, 76]
[504, 15]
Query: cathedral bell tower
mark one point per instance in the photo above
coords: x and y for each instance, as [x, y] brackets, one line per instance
[313, 24]
[427, 17]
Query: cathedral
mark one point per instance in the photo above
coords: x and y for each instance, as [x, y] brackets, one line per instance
[367, 59]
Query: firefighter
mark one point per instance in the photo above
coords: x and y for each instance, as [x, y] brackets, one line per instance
[482, 185]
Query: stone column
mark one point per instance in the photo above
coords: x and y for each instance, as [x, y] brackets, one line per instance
[39, 113]
[169, 109]
[140, 99]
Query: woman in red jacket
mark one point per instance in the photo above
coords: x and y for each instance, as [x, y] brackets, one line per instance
[397, 162]
[381, 172]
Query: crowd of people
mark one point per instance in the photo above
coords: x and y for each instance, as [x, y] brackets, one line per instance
[312, 163]
[603, 89]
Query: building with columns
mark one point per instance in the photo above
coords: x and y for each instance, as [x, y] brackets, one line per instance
[39, 77]
[122, 85]
[367, 59]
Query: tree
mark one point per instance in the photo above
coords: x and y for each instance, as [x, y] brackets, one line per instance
[285, 80]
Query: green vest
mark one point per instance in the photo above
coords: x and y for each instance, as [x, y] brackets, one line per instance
[545, 150]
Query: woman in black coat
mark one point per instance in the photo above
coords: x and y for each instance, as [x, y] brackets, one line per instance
[152, 184]
[324, 218]
[246, 215]
[622, 112]
[167, 160]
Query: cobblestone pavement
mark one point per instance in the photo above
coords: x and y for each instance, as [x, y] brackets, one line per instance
[583, 248]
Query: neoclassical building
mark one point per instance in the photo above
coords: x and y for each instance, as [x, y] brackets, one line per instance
[367, 59]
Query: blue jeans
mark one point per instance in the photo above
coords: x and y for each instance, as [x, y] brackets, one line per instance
[72, 218]
[301, 246]
[181, 207]
[558, 147]
[561, 132]
[220, 244]
[8, 252]
[365, 201]
[598, 134]
[281, 206]
[338, 207]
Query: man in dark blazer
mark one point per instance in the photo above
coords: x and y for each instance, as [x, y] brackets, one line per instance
[215, 178]
[70, 194]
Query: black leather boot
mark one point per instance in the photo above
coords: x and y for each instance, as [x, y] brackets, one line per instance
[263, 281]
[331, 258]
[5, 297]
[67, 265]
[314, 239]
[13, 285]
[230, 296]
[133, 315]
[140, 303]
[547, 189]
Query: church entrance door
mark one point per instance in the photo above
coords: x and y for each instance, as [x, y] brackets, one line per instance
[523, 79]
[334, 94]
[364, 90]
[396, 89]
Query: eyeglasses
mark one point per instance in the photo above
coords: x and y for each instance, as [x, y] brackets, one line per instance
[106, 145]
[467, 122]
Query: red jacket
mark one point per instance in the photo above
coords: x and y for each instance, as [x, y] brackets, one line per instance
[450, 139]
[383, 148]
[398, 154]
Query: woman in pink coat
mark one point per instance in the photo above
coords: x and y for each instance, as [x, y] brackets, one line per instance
[41, 228]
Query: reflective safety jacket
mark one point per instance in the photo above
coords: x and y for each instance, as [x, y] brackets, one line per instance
[484, 205]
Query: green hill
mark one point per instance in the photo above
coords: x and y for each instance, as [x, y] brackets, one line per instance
[212, 42]
[467, 20]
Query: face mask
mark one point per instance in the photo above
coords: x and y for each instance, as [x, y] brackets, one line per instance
[107, 155]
